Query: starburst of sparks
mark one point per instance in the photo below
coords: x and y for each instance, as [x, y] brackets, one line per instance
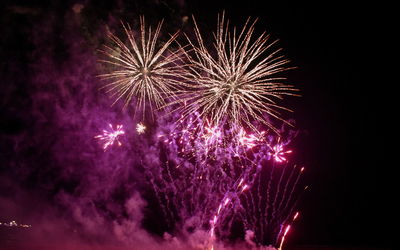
[143, 68]
[235, 83]
[278, 153]
[140, 128]
[108, 137]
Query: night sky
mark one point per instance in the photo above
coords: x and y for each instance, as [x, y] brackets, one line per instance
[342, 116]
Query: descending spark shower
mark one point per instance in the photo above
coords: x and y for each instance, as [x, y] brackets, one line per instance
[223, 165]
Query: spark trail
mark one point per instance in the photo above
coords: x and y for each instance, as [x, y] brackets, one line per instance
[140, 128]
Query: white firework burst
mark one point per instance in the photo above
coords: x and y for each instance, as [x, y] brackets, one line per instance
[236, 82]
[143, 67]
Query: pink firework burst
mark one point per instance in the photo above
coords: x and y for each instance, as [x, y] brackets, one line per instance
[278, 152]
[108, 137]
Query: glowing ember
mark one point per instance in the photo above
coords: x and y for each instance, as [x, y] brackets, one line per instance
[295, 216]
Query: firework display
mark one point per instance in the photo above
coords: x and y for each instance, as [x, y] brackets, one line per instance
[108, 137]
[223, 165]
